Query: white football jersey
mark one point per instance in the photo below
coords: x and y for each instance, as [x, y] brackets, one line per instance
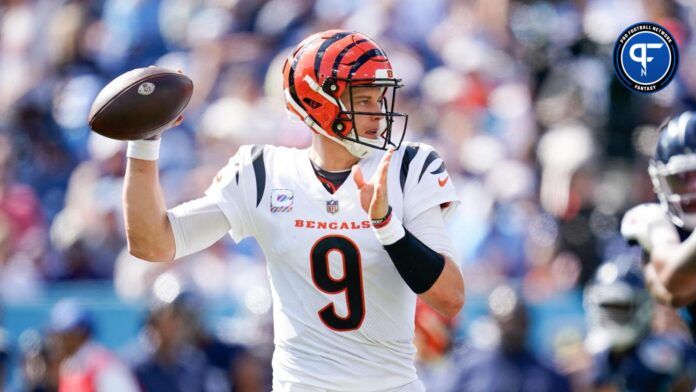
[343, 316]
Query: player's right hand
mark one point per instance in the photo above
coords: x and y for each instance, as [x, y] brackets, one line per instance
[172, 124]
[646, 223]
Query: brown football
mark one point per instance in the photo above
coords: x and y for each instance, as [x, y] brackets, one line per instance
[138, 103]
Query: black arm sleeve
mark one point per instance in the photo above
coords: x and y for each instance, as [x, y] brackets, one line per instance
[418, 265]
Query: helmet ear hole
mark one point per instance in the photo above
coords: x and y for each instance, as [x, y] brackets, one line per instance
[338, 127]
[330, 86]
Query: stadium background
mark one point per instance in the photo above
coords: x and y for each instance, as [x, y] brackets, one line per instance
[546, 148]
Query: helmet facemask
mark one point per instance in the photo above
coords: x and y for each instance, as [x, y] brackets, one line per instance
[391, 127]
[675, 186]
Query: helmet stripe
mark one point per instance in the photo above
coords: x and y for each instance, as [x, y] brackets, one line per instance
[323, 47]
[337, 62]
[291, 77]
[291, 73]
[365, 57]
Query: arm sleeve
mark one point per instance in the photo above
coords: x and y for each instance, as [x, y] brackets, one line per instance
[198, 224]
[429, 227]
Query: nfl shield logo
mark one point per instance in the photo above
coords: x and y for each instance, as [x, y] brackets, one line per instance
[332, 206]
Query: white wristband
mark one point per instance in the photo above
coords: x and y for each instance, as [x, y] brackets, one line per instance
[147, 150]
[391, 232]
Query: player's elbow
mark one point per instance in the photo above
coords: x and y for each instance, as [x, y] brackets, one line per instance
[453, 305]
[147, 254]
[143, 249]
[451, 289]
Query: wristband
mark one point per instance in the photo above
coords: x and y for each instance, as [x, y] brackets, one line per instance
[390, 230]
[377, 223]
[147, 150]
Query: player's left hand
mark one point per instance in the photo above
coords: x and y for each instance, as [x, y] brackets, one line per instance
[373, 193]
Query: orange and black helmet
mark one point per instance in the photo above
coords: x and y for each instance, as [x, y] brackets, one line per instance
[319, 71]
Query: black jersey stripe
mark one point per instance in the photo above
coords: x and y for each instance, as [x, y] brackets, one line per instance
[259, 171]
[409, 153]
[439, 169]
[428, 160]
[322, 49]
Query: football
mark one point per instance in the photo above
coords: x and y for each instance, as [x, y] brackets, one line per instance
[137, 104]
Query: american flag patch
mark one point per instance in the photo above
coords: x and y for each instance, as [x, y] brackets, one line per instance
[332, 206]
[282, 200]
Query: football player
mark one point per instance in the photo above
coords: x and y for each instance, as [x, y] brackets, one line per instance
[664, 230]
[625, 354]
[352, 227]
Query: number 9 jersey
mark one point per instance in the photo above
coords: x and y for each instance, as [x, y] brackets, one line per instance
[343, 316]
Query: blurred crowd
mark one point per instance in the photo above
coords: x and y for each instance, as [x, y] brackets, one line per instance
[173, 351]
[546, 148]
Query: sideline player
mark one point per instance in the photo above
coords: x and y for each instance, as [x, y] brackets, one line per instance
[626, 353]
[352, 227]
[664, 231]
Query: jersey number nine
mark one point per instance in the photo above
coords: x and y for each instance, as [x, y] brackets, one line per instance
[350, 283]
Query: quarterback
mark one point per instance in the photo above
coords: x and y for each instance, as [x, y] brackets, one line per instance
[665, 230]
[352, 227]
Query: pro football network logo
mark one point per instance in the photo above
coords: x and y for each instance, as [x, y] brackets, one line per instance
[646, 57]
[282, 200]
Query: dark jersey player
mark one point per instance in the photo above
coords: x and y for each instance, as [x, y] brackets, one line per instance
[626, 355]
[664, 230]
